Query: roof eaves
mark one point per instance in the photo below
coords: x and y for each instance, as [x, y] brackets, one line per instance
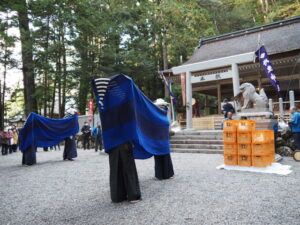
[279, 23]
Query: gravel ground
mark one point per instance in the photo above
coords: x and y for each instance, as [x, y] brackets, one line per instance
[62, 192]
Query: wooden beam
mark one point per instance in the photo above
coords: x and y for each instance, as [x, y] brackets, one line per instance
[214, 63]
[205, 88]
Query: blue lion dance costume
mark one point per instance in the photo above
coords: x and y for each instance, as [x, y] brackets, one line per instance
[39, 131]
[132, 127]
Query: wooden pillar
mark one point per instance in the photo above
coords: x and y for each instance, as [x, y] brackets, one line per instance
[189, 107]
[219, 98]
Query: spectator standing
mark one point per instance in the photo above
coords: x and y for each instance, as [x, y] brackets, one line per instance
[1, 140]
[15, 140]
[5, 142]
[295, 126]
[86, 133]
[97, 133]
[11, 140]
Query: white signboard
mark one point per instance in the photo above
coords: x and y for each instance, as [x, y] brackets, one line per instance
[211, 77]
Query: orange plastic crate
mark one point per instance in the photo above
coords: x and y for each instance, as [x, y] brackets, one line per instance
[229, 137]
[244, 160]
[244, 149]
[245, 125]
[262, 160]
[263, 136]
[263, 149]
[230, 159]
[244, 137]
[230, 149]
[272, 157]
[229, 125]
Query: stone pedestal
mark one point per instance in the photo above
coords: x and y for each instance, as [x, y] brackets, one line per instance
[262, 117]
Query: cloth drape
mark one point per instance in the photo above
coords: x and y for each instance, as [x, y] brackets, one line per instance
[39, 131]
[127, 115]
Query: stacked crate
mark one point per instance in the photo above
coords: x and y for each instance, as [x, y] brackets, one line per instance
[230, 146]
[244, 141]
[245, 146]
[263, 148]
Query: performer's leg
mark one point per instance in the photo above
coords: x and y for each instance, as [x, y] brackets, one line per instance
[158, 167]
[116, 181]
[29, 156]
[168, 167]
[130, 174]
[67, 145]
[73, 148]
[163, 167]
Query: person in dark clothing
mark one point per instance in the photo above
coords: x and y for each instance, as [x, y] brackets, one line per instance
[227, 107]
[124, 182]
[70, 150]
[295, 126]
[97, 133]
[29, 156]
[163, 165]
[5, 142]
[86, 132]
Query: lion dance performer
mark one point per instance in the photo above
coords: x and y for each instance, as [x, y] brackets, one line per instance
[132, 128]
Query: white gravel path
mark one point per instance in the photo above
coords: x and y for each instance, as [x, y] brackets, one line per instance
[57, 192]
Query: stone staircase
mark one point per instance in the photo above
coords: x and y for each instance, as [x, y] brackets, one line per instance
[198, 141]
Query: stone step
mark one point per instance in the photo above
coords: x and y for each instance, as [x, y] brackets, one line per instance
[199, 132]
[204, 151]
[197, 137]
[196, 146]
[213, 142]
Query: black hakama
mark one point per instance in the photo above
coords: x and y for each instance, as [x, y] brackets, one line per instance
[124, 182]
[70, 150]
[163, 166]
[29, 156]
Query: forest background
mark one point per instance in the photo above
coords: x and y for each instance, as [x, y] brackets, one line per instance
[66, 43]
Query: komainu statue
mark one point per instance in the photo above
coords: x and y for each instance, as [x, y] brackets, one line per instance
[251, 98]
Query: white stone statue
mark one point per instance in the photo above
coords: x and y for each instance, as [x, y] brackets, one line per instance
[251, 98]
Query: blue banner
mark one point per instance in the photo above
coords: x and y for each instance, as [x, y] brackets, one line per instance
[265, 63]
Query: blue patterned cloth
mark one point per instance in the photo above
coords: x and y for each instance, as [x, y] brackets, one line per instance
[39, 131]
[127, 115]
[268, 68]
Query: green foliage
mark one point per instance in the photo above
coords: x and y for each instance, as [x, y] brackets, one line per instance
[77, 40]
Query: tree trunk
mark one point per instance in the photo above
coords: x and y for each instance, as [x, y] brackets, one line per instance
[45, 103]
[58, 70]
[27, 58]
[63, 106]
[53, 97]
[83, 80]
[165, 54]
